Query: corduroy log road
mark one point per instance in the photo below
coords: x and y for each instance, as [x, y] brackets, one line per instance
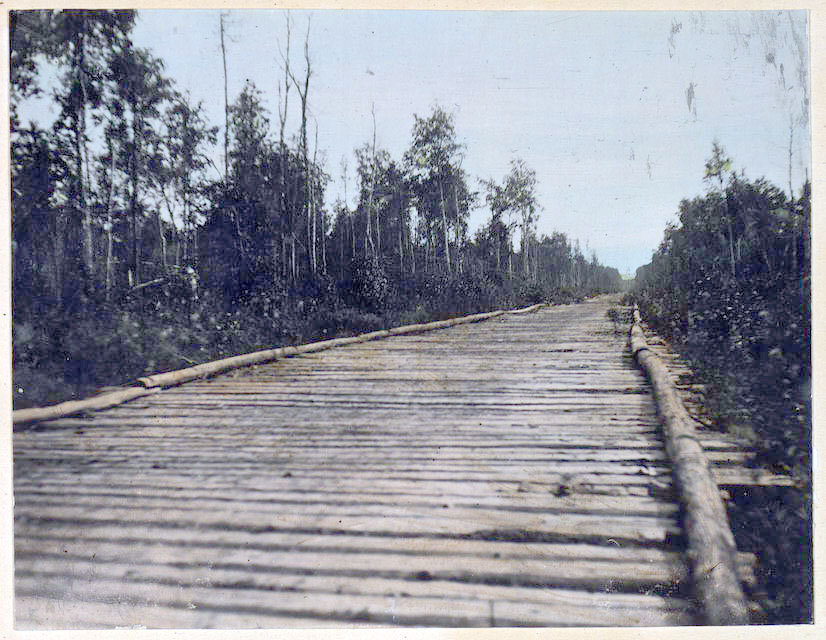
[529, 468]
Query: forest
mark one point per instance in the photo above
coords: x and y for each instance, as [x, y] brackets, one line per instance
[133, 253]
[730, 286]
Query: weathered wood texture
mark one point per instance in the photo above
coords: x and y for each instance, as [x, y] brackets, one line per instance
[711, 548]
[148, 384]
[509, 472]
[95, 403]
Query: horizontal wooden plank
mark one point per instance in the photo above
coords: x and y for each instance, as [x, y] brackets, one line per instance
[525, 495]
[581, 485]
[402, 519]
[39, 612]
[72, 535]
[348, 606]
[404, 456]
[264, 569]
[588, 567]
[365, 439]
[284, 501]
[361, 479]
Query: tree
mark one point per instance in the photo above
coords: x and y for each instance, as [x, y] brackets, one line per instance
[303, 87]
[438, 183]
[515, 196]
[254, 208]
[185, 138]
[497, 231]
[250, 178]
[81, 40]
[141, 90]
[718, 167]
[371, 165]
[36, 247]
[521, 190]
[226, 96]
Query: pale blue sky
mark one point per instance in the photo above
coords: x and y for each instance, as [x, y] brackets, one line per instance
[596, 102]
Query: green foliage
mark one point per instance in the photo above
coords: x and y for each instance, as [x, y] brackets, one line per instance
[368, 287]
[776, 524]
[730, 286]
[345, 321]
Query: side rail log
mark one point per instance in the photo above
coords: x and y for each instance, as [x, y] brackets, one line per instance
[151, 384]
[711, 547]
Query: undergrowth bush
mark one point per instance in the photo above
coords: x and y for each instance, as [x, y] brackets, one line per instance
[60, 353]
[736, 303]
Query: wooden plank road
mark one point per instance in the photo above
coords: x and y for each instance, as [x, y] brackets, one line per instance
[503, 473]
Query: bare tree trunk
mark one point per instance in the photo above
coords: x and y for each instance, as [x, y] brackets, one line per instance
[282, 113]
[293, 270]
[369, 232]
[226, 101]
[109, 200]
[456, 231]
[313, 204]
[341, 239]
[791, 142]
[294, 225]
[791, 195]
[352, 235]
[163, 241]
[302, 93]
[375, 171]
[401, 245]
[427, 251]
[444, 224]
[311, 222]
[184, 250]
[731, 247]
[82, 162]
[133, 202]
[283, 200]
[284, 255]
[349, 225]
[193, 250]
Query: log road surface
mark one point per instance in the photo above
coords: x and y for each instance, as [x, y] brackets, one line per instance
[509, 472]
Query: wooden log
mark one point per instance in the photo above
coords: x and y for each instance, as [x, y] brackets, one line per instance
[207, 369]
[711, 547]
[530, 309]
[95, 403]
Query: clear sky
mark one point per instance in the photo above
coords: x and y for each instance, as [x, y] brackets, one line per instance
[616, 111]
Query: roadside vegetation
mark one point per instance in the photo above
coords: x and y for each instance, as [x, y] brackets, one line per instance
[730, 287]
[133, 253]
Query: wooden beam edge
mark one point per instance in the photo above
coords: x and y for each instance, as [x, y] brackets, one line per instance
[156, 382]
[711, 551]
[95, 403]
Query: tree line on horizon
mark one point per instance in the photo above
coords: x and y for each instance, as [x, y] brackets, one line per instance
[133, 252]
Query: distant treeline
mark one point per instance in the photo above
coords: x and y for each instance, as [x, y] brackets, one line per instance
[730, 285]
[133, 252]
